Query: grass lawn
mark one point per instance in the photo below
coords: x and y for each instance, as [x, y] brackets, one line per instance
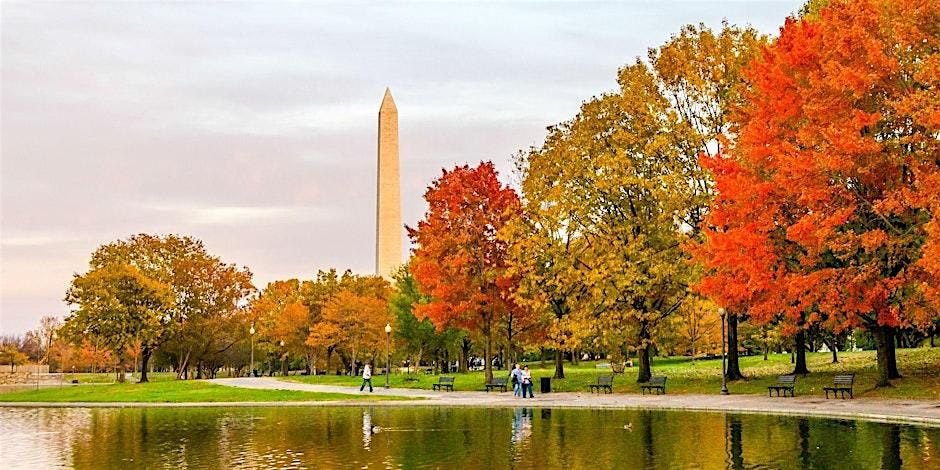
[920, 368]
[177, 391]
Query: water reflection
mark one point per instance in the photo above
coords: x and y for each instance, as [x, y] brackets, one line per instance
[366, 428]
[427, 437]
[733, 442]
[521, 425]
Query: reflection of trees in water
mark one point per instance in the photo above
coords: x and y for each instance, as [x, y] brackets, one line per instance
[469, 438]
[646, 429]
[735, 443]
[802, 426]
[891, 447]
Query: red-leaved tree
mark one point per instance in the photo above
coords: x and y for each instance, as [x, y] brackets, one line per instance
[828, 203]
[460, 261]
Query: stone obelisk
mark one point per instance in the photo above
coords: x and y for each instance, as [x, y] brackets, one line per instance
[388, 206]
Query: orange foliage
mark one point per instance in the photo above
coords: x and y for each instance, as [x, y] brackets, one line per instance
[828, 204]
[460, 262]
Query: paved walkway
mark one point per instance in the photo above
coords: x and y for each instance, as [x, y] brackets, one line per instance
[919, 411]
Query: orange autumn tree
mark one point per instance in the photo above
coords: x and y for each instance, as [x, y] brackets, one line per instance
[828, 203]
[460, 261]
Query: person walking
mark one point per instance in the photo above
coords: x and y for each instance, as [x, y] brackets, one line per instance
[515, 377]
[366, 378]
[527, 382]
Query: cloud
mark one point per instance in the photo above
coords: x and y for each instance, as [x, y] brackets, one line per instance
[237, 215]
[252, 126]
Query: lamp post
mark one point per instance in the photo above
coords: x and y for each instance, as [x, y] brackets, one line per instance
[284, 369]
[724, 376]
[388, 354]
[251, 369]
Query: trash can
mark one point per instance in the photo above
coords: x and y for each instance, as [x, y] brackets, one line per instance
[546, 384]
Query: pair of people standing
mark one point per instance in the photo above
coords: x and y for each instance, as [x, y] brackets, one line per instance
[521, 380]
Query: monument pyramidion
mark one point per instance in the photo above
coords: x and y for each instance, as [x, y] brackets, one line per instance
[388, 246]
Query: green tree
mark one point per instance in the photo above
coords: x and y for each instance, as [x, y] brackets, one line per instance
[116, 306]
[207, 295]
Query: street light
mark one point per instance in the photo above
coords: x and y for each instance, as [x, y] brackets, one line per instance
[251, 331]
[283, 360]
[388, 354]
[724, 375]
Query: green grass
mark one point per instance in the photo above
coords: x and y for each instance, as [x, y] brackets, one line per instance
[177, 391]
[109, 377]
[920, 368]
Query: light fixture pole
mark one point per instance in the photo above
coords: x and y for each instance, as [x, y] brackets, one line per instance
[284, 368]
[724, 375]
[251, 369]
[388, 353]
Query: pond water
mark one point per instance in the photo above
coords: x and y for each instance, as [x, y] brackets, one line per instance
[461, 438]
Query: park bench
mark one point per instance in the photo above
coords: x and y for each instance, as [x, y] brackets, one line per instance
[499, 383]
[604, 382]
[841, 384]
[617, 367]
[429, 371]
[785, 383]
[655, 384]
[444, 383]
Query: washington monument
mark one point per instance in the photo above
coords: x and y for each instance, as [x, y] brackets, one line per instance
[388, 194]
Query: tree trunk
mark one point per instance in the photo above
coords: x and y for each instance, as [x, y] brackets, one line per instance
[643, 351]
[510, 346]
[487, 350]
[464, 355]
[576, 356]
[643, 357]
[734, 369]
[893, 372]
[834, 349]
[559, 364]
[183, 367]
[883, 341]
[800, 350]
[329, 359]
[144, 360]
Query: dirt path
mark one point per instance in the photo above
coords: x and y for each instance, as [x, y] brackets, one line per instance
[866, 408]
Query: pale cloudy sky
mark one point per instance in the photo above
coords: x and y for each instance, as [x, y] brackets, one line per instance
[253, 126]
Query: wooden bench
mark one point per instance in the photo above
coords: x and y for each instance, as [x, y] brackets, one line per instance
[841, 384]
[500, 383]
[785, 383]
[444, 383]
[605, 382]
[655, 384]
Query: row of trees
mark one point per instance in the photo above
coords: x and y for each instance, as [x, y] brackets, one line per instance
[793, 181]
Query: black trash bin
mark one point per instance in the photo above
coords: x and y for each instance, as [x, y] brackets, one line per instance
[546, 384]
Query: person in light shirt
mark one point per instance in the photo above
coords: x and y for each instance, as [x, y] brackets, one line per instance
[366, 378]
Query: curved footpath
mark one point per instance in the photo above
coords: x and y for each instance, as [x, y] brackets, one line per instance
[887, 410]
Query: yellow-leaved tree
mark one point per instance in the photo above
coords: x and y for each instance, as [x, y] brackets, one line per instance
[614, 195]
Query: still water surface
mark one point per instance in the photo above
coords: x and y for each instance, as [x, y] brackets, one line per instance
[460, 438]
